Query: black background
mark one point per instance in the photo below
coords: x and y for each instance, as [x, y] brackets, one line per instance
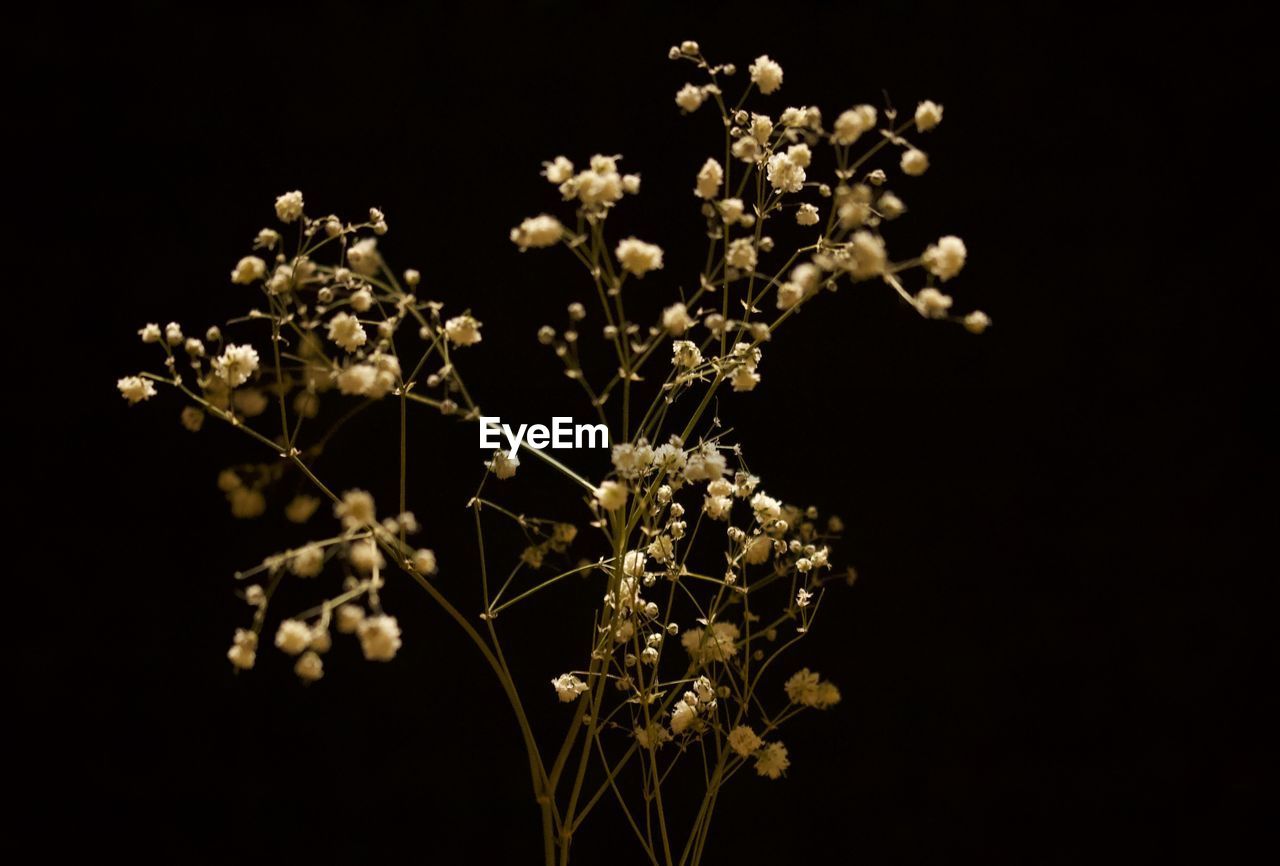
[1045, 658]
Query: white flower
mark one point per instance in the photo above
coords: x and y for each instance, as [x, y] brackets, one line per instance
[568, 687]
[364, 556]
[690, 98]
[363, 256]
[890, 206]
[761, 128]
[236, 364]
[558, 170]
[639, 257]
[869, 256]
[504, 465]
[631, 184]
[289, 206]
[355, 509]
[744, 379]
[766, 74]
[766, 507]
[685, 354]
[710, 176]
[424, 561]
[758, 550]
[850, 125]
[682, 716]
[807, 215]
[803, 596]
[633, 563]
[914, 162]
[542, 230]
[800, 155]
[267, 239]
[463, 330]
[358, 379]
[349, 618]
[717, 643]
[945, 258]
[932, 304]
[742, 254]
[248, 269]
[805, 688]
[192, 418]
[731, 210]
[346, 330]
[928, 115]
[785, 174]
[301, 507]
[744, 741]
[307, 561]
[772, 760]
[135, 389]
[379, 637]
[309, 667]
[676, 319]
[976, 322]
[247, 503]
[361, 300]
[611, 495]
[746, 149]
[243, 649]
[293, 636]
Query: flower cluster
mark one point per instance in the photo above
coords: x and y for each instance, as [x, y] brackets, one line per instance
[704, 577]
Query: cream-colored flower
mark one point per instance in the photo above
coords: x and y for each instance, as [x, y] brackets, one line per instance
[463, 330]
[542, 230]
[248, 269]
[710, 176]
[928, 115]
[945, 258]
[766, 74]
[638, 257]
[135, 389]
[914, 162]
[289, 206]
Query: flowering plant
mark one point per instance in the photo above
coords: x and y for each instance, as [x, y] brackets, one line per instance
[676, 673]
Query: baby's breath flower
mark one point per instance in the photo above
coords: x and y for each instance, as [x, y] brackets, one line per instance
[744, 741]
[914, 162]
[568, 687]
[247, 503]
[928, 115]
[611, 495]
[690, 98]
[248, 269]
[379, 637]
[363, 256]
[945, 258]
[933, 304]
[346, 330]
[685, 354]
[710, 176]
[633, 563]
[766, 74]
[890, 206]
[289, 206]
[772, 760]
[424, 561]
[243, 650]
[784, 173]
[543, 230]
[236, 364]
[463, 330]
[638, 257]
[349, 617]
[355, 509]
[309, 667]
[192, 418]
[807, 215]
[557, 170]
[731, 210]
[293, 636]
[851, 124]
[976, 322]
[676, 319]
[135, 389]
[504, 465]
[307, 561]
